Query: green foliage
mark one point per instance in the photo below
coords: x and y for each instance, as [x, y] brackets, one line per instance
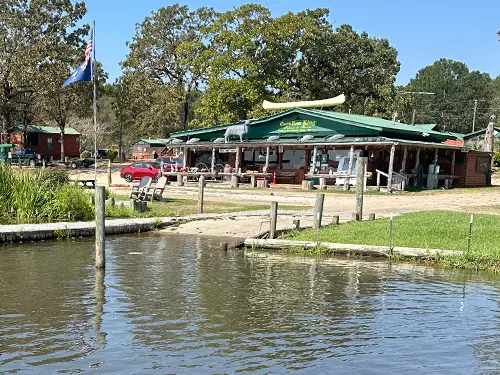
[455, 88]
[112, 155]
[71, 199]
[85, 154]
[38, 196]
[496, 158]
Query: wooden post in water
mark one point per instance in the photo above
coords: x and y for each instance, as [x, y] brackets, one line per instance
[318, 210]
[201, 191]
[274, 220]
[109, 172]
[99, 226]
[360, 169]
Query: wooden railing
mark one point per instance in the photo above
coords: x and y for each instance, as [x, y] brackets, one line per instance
[399, 180]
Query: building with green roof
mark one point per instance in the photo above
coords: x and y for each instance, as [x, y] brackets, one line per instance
[302, 143]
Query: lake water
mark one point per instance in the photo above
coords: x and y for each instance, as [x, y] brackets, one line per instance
[172, 304]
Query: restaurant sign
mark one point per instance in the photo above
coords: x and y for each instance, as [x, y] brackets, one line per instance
[296, 126]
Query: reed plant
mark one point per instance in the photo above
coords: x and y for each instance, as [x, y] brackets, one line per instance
[42, 195]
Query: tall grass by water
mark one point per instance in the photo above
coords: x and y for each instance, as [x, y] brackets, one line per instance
[41, 195]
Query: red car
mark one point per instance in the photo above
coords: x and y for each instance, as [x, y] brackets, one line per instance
[136, 171]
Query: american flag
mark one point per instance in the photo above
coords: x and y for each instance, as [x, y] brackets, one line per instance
[88, 52]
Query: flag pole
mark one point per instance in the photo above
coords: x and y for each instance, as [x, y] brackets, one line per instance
[94, 101]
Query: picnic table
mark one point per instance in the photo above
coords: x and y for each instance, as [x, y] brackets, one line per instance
[87, 184]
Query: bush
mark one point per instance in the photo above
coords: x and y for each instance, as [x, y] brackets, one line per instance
[85, 155]
[112, 155]
[72, 199]
[43, 195]
[496, 158]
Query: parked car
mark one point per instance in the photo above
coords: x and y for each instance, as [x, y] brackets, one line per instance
[136, 171]
[84, 162]
[26, 156]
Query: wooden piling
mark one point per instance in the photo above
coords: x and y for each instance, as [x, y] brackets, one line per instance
[99, 226]
[252, 181]
[360, 169]
[318, 210]
[371, 216]
[274, 220]
[335, 220]
[180, 179]
[234, 181]
[223, 246]
[322, 183]
[109, 172]
[296, 224]
[201, 192]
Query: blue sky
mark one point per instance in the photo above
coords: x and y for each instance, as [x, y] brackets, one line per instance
[421, 30]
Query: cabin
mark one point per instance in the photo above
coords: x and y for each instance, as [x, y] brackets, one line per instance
[143, 148]
[46, 140]
[310, 144]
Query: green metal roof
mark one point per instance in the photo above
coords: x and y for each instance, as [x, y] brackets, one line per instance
[481, 132]
[46, 130]
[158, 141]
[343, 121]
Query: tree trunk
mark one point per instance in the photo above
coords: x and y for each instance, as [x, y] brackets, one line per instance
[62, 144]
[120, 143]
[185, 118]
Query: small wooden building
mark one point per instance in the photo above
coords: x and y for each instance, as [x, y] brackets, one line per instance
[299, 144]
[46, 140]
[144, 147]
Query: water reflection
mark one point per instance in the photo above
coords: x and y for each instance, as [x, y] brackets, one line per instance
[177, 304]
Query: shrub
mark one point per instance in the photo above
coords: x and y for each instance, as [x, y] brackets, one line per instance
[72, 199]
[85, 154]
[112, 154]
[496, 158]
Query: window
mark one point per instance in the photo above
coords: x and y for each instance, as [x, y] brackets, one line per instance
[137, 165]
[49, 143]
[31, 139]
[294, 159]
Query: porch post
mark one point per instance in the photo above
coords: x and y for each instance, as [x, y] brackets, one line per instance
[184, 159]
[391, 168]
[405, 155]
[436, 155]
[266, 166]
[237, 162]
[452, 170]
[417, 163]
[351, 159]
[312, 168]
[213, 161]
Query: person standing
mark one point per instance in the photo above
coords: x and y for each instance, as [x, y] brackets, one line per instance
[154, 155]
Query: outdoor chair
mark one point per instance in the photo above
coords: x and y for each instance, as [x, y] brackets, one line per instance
[156, 192]
[139, 190]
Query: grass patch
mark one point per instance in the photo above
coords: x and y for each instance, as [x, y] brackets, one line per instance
[431, 230]
[184, 207]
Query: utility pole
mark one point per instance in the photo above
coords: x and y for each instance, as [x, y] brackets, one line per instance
[414, 93]
[474, 117]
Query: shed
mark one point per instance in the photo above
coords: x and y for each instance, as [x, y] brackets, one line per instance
[46, 140]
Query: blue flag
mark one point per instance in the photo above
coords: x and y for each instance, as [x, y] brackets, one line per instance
[84, 71]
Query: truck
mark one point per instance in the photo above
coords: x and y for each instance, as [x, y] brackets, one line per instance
[27, 157]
